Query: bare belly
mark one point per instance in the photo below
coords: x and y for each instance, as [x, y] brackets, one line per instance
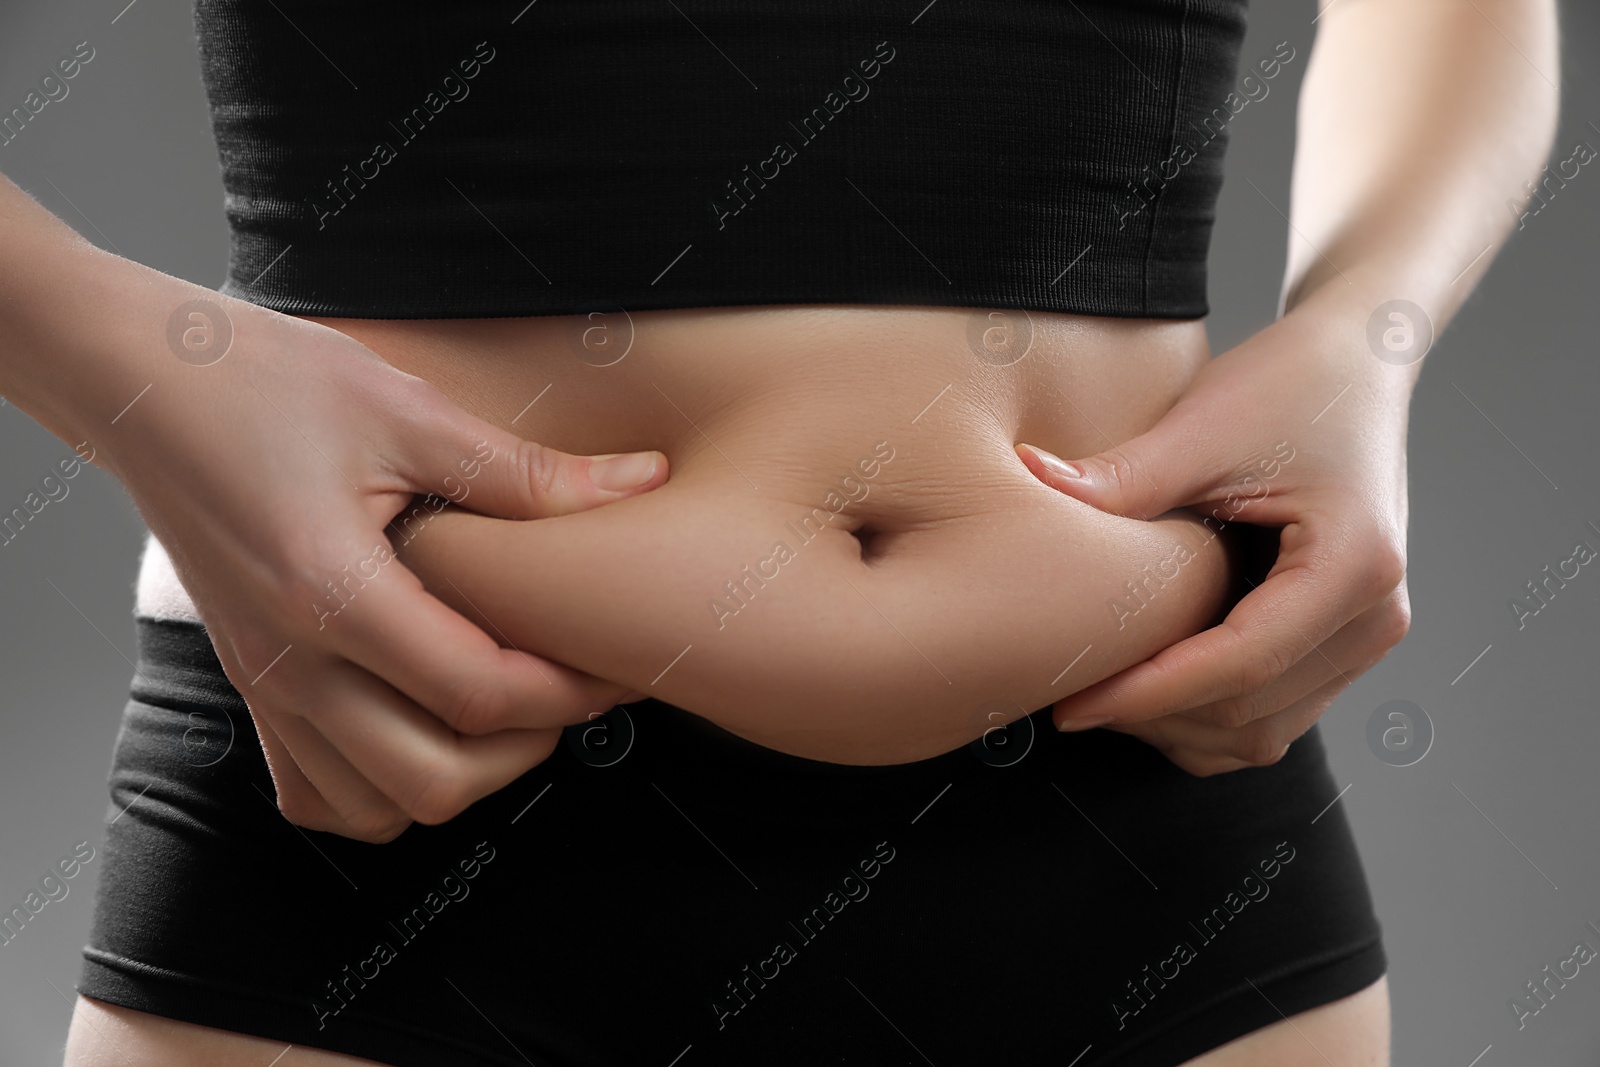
[811, 381]
[859, 563]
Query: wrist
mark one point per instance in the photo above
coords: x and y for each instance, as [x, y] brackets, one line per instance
[80, 335]
[1373, 331]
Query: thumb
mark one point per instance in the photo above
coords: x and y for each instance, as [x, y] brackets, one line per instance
[1141, 478]
[483, 468]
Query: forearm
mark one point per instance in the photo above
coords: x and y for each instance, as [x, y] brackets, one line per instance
[80, 328]
[1418, 122]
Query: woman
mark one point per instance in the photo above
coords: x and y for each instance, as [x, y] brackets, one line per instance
[840, 412]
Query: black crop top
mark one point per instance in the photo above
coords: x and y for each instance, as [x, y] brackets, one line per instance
[459, 158]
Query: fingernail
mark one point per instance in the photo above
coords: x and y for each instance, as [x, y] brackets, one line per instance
[1056, 464]
[1074, 725]
[627, 471]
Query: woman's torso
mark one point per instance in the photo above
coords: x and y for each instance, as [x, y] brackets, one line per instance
[993, 828]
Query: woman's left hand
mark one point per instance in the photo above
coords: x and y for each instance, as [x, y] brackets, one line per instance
[1303, 428]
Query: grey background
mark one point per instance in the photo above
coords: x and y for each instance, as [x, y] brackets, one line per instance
[1471, 908]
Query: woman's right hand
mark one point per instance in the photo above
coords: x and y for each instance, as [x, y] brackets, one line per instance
[271, 475]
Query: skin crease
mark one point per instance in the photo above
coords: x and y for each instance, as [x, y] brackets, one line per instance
[1417, 120]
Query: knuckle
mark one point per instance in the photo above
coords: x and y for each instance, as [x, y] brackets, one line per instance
[302, 808]
[437, 796]
[538, 467]
[476, 707]
[1118, 470]
[283, 690]
[1397, 621]
[1276, 756]
[1260, 671]
[254, 647]
[376, 824]
[434, 419]
[1235, 712]
[1386, 562]
[1200, 764]
[424, 402]
[1260, 750]
[545, 743]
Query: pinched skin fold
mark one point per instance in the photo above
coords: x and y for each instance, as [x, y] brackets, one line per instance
[849, 562]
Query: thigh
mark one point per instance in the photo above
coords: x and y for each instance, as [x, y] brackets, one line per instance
[1352, 1032]
[107, 1035]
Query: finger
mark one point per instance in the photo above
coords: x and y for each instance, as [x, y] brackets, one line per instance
[450, 665]
[287, 778]
[1347, 655]
[479, 466]
[1203, 749]
[297, 798]
[1168, 466]
[431, 772]
[359, 809]
[1308, 596]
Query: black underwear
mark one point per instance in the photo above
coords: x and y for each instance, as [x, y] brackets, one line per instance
[660, 891]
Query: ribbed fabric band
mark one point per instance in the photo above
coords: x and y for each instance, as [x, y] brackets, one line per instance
[431, 160]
